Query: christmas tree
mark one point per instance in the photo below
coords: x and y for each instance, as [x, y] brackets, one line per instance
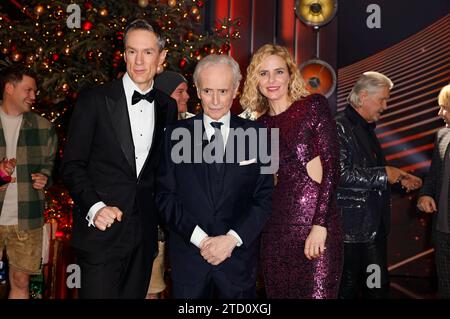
[76, 44]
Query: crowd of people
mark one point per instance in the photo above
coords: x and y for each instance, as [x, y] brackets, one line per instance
[285, 190]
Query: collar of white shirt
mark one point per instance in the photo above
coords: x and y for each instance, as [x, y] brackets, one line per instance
[225, 129]
[130, 87]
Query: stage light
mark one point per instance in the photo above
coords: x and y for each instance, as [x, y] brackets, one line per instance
[315, 13]
[319, 77]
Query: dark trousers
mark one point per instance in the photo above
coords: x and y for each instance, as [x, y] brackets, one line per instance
[215, 285]
[358, 276]
[122, 271]
[442, 247]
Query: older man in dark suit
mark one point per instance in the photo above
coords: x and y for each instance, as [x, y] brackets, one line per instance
[215, 210]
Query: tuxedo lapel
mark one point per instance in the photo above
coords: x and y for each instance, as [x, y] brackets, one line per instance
[118, 111]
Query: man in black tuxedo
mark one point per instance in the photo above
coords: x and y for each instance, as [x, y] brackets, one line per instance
[215, 201]
[112, 152]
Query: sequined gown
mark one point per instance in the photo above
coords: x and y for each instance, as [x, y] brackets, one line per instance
[307, 130]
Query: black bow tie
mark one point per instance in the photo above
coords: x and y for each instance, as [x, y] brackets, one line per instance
[150, 96]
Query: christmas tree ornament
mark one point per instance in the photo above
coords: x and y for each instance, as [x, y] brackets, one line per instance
[182, 63]
[87, 25]
[143, 3]
[30, 58]
[194, 11]
[88, 5]
[103, 12]
[16, 56]
[39, 9]
[65, 87]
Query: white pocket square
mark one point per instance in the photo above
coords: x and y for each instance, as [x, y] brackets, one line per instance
[247, 162]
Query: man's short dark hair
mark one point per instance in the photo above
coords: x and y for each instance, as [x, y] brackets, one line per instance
[14, 74]
[141, 24]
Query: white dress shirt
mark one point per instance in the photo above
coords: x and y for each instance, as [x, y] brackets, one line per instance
[142, 122]
[199, 234]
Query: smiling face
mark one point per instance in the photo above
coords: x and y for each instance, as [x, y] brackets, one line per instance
[373, 104]
[180, 94]
[273, 79]
[216, 90]
[142, 57]
[21, 95]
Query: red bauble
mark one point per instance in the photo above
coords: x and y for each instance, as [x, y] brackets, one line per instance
[55, 57]
[88, 5]
[117, 55]
[225, 47]
[182, 63]
[200, 3]
[239, 23]
[87, 25]
[89, 55]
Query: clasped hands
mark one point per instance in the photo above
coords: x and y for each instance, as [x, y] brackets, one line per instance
[216, 249]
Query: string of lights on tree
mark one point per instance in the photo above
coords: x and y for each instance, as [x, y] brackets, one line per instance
[67, 60]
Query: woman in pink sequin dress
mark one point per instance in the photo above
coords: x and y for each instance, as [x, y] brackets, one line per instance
[302, 242]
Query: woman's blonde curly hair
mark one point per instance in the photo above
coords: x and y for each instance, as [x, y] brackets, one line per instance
[251, 96]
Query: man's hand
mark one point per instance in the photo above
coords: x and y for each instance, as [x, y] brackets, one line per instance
[394, 174]
[216, 249]
[426, 204]
[315, 242]
[410, 182]
[9, 165]
[40, 180]
[4, 187]
[106, 216]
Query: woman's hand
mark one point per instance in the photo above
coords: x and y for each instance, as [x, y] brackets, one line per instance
[315, 242]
